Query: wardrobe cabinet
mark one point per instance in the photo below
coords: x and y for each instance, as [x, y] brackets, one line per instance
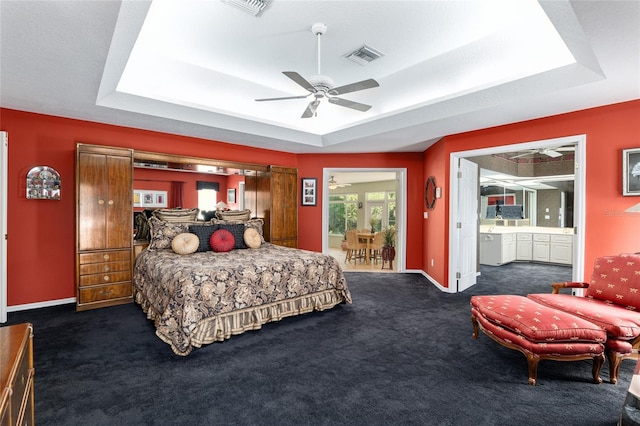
[273, 196]
[104, 226]
[284, 206]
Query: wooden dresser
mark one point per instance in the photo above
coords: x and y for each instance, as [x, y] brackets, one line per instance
[104, 226]
[16, 375]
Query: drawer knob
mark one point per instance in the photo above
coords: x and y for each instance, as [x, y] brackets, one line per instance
[100, 202]
[110, 202]
[106, 268]
[106, 277]
[105, 257]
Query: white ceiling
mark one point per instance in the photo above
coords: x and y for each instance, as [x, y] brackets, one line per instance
[195, 67]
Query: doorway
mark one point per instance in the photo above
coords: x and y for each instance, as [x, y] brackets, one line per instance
[370, 200]
[456, 244]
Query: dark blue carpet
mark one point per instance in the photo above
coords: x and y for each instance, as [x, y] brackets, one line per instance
[401, 354]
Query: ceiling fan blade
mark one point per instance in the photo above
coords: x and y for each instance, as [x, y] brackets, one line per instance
[350, 104]
[354, 87]
[521, 155]
[281, 99]
[551, 153]
[300, 80]
[311, 109]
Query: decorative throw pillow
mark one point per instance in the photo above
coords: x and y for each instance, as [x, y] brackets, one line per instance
[222, 241]
[204, 235]
[252, 238]
[162, 233]
[237, 230]
[234, 214]
[177, 215]
[185, 243]
[256, 223]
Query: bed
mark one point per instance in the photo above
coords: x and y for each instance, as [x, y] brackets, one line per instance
[208, 296]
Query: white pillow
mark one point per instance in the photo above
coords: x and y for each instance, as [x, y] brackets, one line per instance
[185, 243]
[252, 238]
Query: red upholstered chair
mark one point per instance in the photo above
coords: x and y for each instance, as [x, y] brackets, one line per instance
[611, 301]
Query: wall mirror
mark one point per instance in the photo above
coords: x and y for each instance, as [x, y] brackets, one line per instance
[430, 193]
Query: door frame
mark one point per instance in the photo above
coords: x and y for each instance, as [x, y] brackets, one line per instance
[401, 208]
[4, 166]
[579, 202]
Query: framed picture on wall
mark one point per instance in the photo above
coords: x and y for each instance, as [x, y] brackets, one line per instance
[309, 191]
[160, 198]
[137, 198]
[231, 196]
[631, 171]
[147, 199]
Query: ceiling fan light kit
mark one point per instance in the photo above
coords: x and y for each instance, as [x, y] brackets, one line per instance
[322, 86]
[333, 184]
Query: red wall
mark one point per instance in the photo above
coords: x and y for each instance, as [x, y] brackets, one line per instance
[41, 233]
[310, 217]
[608, 129]
[41, 246]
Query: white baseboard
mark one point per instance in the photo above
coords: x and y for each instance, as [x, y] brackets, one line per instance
[38, 305]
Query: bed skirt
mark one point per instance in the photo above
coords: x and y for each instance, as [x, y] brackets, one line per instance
[223, 326]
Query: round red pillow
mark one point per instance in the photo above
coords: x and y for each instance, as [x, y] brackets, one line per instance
[222, 240]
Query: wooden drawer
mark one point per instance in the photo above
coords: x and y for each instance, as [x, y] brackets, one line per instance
[97, 268]
[16, 375]
[105, 278]
[105, 292]
[105, 256]
[20, 385]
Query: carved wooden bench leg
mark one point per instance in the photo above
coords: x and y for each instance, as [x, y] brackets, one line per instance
[598, 362]
[532, 360]
[476, 328]
[615, 359]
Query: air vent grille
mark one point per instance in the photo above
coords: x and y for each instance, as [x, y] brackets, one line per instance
[364, 55]
[252, 7]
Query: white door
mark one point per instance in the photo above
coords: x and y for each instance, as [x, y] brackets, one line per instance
[4, 152]
[464, 244]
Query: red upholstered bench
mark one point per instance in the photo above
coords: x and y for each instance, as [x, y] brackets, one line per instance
[539, 332]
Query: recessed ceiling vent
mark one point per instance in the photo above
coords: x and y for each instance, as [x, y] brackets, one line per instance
[252, 7]
[364, 55]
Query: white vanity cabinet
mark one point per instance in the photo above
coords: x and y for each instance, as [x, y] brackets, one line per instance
[501, 246]
[524, 246]
[541, 247]
[561, 249]
[497, 249]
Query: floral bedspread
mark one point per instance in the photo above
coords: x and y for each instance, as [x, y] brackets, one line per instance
[207, 296]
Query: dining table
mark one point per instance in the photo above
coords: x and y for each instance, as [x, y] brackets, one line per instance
[368, 236]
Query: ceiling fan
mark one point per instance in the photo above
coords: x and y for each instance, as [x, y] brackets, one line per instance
[322, 86]
[549, 152]
[333, 184]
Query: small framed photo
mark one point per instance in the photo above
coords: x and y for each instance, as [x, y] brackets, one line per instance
[147, 199]
[137, 198]
[160, 199]
[231, 196]
[631, 171]
[309, 191]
